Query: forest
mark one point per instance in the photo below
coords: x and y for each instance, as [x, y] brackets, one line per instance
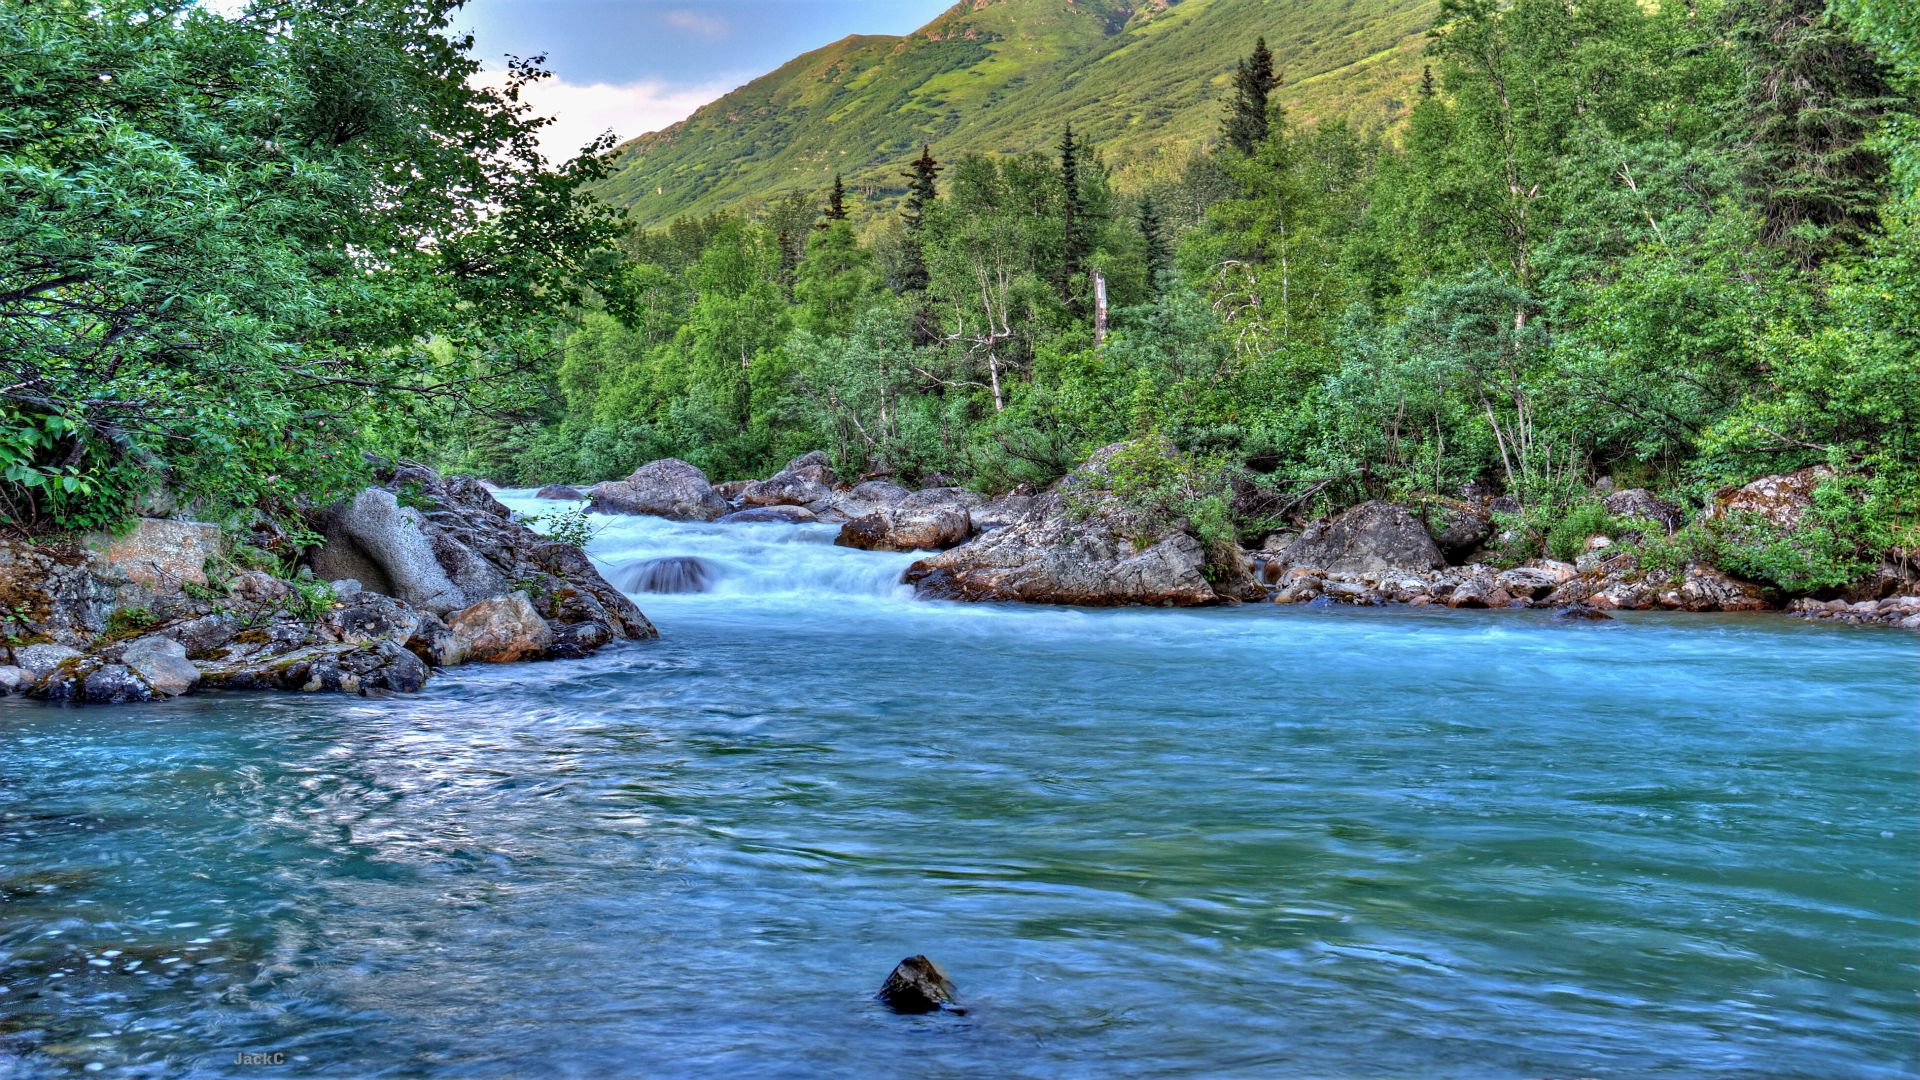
[1670, 245]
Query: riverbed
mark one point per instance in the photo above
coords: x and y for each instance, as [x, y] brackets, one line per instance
[1254, 841]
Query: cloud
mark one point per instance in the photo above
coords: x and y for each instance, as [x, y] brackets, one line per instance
[707, 26]
[582, 111]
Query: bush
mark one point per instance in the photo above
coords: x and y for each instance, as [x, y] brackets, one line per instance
[1568, 531]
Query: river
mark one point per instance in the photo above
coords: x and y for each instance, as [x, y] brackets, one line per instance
[1238, 842]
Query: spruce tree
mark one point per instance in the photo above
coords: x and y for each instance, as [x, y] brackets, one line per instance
[1076, 243]
[1812, 97]
[1253, 83]
[1159, 252]
[836, 203]
[1427, 88]
[921, 191]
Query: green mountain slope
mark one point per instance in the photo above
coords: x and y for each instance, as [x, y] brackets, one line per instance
[1143, 80]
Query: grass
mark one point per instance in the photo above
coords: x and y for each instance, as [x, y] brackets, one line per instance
[1144, 86]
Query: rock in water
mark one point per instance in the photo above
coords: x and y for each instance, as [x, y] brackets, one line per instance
[1578, 612]
[673, 574]
[560, 492]
[668, 488]
[806, 479]
[917, 986]
[502, 629]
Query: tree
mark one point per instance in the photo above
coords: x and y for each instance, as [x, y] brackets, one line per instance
[921, 193]
[1159, 253]
[836, 203]
[792, 217]
[1811, 100]
[1253, 82]
[1427, 88]
[238, 252]
[1076, 242]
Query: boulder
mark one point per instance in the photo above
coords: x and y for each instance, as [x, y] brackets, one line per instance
[1055, 557]
[1707, 589]
[858, 501]
[924, 521]
[161, 662]
[1643, 504]
[1459, 529]
[1478, 591]
[160, 554]
[559, 492]
[804, 480]
[1371, 537]
[1579, 612]
[787, 515]
[916, 986]
[435, 643]
[39, 661]
[380, 667]
[375, 530]
[1782, 500]
[108, 684]
[668, 488]
[1082, 544]
[1001, 512]
[1529, 582]
[366, 617]
[502, 629]
[479, 549]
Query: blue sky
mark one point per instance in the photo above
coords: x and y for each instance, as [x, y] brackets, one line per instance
[638, 65]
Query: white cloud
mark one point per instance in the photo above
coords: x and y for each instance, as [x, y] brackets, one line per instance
[707, 26]
[582, 111]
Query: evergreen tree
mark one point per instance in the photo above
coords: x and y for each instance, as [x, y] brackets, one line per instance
[1811, 100]
[1427, 88]
[1077, 242]
[836, 203]
[1159, 252]
[921, 191]
[1253, 82]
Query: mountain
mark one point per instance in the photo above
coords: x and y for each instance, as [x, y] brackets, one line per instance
[1144, 81]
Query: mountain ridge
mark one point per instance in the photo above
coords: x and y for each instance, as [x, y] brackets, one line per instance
[1143, 83]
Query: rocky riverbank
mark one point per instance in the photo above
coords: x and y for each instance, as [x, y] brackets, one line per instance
[1080, 543]
[418, 573]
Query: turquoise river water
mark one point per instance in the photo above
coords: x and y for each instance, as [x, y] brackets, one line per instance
[1244, 842]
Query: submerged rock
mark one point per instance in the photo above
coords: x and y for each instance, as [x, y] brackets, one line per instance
[916, 986]
[561, 492]
[789, 515]
[1578, 612]
[672, 574]
[668, 488]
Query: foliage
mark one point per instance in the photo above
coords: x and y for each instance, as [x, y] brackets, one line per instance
[567, 526]
[1143, 84]
[228, 241]
[311, 599]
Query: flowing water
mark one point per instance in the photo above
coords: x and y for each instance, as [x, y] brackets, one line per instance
[1247, 842]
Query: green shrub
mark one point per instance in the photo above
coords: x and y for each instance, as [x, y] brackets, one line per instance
[1567, 532]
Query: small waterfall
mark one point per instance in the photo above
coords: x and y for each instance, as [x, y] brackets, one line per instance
[741, 561]
[672, 574]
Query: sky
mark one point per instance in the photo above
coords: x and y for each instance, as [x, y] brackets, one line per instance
[634, 66]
